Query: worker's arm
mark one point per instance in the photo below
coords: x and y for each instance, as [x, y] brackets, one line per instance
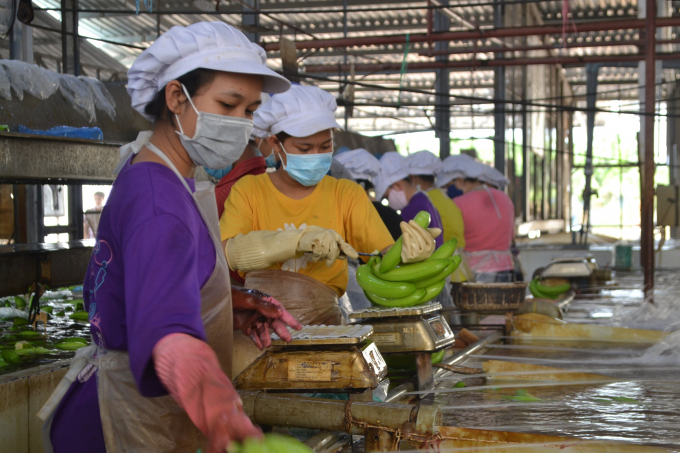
[188, 368]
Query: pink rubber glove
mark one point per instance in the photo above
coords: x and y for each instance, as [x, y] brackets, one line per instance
[255, 313]
[190, 371]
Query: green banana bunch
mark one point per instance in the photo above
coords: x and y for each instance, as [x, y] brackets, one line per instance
[382, 288]
[393, 255]
[408, 301]
[81, 316]
[412, 272]
[547, 292]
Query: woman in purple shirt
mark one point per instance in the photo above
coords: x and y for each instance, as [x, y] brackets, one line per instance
[157, 289]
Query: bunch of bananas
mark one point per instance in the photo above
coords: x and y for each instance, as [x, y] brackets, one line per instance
[390, 284]
[541, 290]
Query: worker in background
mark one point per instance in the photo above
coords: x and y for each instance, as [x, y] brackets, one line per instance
[488, 214]
[364, 166]
[157, 376]
[422, 167]
[93, 215]
[394, 184]
[276, 216]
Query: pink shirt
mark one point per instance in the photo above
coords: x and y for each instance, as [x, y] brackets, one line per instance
[484, 231]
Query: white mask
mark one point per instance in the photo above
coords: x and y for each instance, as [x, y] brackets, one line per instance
[397, 199]
[219, 140]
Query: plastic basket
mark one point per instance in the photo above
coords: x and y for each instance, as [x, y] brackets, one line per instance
[489, 296]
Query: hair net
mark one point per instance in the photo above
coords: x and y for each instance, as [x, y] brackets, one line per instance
[423, 163]
[360, 163]
[459, 166]
[392, 169]
[300, 112]
[494, 177]
[207, 45]
[258, 132]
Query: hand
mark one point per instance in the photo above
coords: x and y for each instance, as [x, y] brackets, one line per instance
[188, 368]
[255, 313]
[418, 243]
[325, 244]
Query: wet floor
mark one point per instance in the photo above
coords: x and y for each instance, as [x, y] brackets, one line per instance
[638, 402]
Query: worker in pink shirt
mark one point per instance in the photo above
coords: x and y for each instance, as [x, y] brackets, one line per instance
[488, 215]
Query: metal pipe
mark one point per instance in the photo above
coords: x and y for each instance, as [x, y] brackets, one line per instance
[506, 32]
[471, 349]
[647, 205]
[488, 49]
[332, 415]
[395, 67]
[397, 393]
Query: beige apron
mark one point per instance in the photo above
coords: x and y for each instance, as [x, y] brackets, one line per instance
[308, 300]
[131, 422]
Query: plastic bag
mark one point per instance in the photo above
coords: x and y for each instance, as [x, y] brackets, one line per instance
[92, 133]
[5, 86]
[102, 98]
[39, 82]
[79, 94]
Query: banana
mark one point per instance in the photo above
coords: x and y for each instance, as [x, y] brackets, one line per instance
[393, 255]
[412, 272]
[552, 290]
[454, 262]
[445, 250]
[382, 288]
[432, 291]
[408, 301]
[536, 291]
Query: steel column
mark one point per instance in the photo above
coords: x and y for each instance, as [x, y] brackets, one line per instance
[442, 114]
[499, 95]
[591, 100]
[647, 202]
[526, 166]
[70, 44]
[251, 22]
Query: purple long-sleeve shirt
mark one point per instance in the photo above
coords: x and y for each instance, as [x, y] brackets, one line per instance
[152, 257]
[420, 202]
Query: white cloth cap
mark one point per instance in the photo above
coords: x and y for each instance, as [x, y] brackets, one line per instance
[423, 163]
[459, 166]
[207, 45]
[360, 163]
[299, 112]
[392, 169]
[257, 132]
[494, 177]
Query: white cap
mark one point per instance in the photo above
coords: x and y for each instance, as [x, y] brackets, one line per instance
[258, 132]
[494, 177]
[459, 166]
[206, 45]
[423, 163]
[360, 163]
[299, 112]
[392, 169]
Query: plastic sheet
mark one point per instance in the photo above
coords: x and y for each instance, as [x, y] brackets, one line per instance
[79, 95]
[38, 82]
[92, 133]
[5, 86]
[102, 98]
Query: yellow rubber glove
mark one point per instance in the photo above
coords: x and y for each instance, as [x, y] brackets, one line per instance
[418, 243]
[261, 249]
[326, 244]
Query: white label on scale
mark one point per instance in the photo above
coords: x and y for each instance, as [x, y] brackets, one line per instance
[309, 370]
[385, 338]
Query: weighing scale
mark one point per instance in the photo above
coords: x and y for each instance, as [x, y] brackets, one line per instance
[420, 330]
[582, 270]
[320, 359]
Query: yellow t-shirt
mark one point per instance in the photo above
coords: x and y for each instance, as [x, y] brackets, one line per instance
[254, 204]
[452, 218]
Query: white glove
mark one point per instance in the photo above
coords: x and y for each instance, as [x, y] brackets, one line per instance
[418, 243]
[326, 244]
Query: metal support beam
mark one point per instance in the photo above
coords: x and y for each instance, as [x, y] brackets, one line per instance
[526, 170]
[70, 46]
[251, 22]
[499, 95]
[647, 201]
[591, 99]
[442, 118]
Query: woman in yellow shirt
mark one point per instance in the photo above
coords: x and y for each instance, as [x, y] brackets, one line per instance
[285, 230]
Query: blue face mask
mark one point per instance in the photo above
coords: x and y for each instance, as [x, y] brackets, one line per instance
[219, 174]
[307, 169]
[270, 160]
[452, 191]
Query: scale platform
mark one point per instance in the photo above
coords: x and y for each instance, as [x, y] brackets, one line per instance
[407, 330]
[319, 358]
